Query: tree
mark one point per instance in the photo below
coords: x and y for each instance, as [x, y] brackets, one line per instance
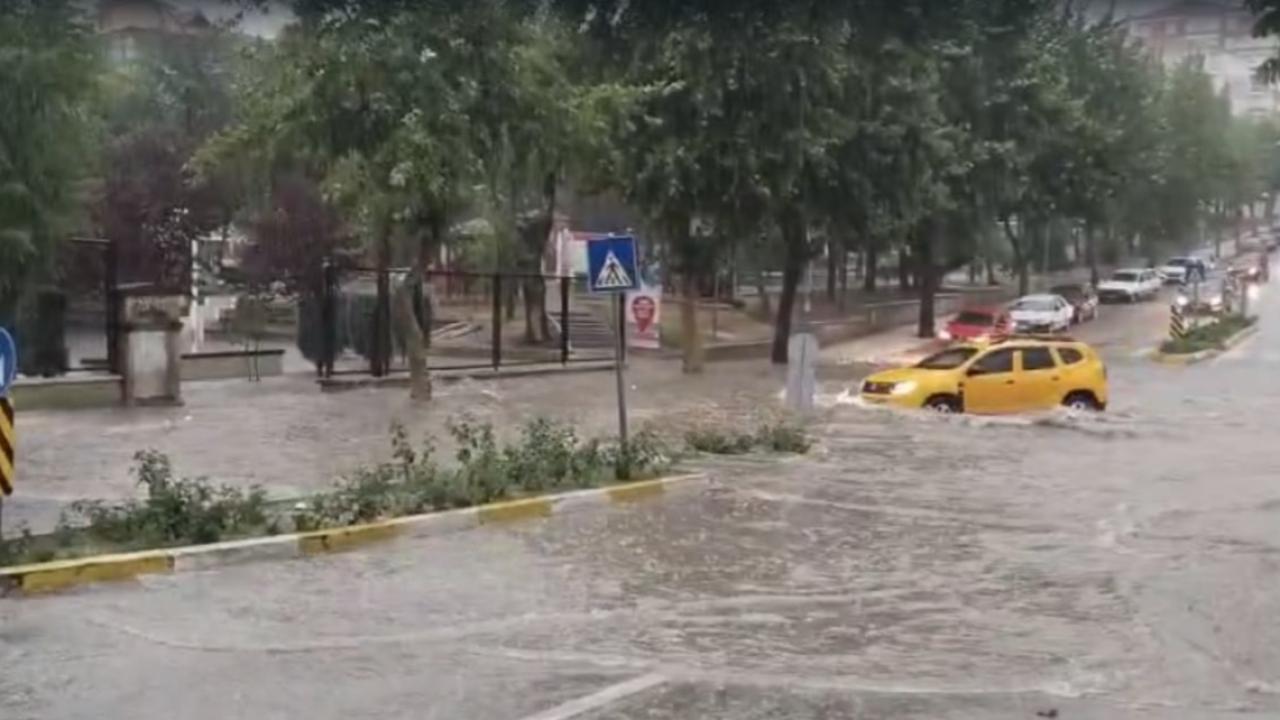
[47, 70]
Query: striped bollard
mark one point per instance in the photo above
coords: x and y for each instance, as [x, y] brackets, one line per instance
[1177, 323]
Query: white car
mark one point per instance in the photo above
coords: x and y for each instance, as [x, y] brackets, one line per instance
[1172, 274]
[1130, 285]
[1041, 313]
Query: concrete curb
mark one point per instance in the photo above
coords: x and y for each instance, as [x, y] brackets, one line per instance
[41, 578]
[1199, 357]
[442, 376]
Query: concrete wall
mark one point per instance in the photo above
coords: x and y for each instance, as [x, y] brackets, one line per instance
[231, 365]
[67, 393]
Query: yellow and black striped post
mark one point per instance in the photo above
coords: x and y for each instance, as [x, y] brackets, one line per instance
[8, 442]
[1177, 323]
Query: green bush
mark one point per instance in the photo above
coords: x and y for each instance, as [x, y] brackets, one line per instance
[546, 456]
[174, 511]
[311, 328]
[784, 437]
[780, 437]
[717, 442]
[41, 334]
[1212, 336]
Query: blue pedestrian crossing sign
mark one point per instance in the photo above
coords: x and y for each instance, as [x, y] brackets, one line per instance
[8, 361]
[611, 264]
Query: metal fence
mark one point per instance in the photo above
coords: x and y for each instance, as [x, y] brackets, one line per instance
[473, 321]
[72, 324]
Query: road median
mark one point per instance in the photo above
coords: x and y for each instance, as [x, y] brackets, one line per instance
[49, 577]
[1165, 357]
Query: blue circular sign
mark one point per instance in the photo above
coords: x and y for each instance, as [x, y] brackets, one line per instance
[8, 361]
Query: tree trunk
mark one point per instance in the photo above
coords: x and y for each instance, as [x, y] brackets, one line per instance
[690, 337]
[831, 271]
[904, 269]
[871, 263]
[928, 279]
[991, 272]
[1019, 257]
[844, 277]
[792, 226]
[1091, 253]
[531, 323]
[415, 350]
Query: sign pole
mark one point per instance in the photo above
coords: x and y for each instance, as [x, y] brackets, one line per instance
[619, 364]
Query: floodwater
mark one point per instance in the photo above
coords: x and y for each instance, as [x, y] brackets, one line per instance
[1114, 566]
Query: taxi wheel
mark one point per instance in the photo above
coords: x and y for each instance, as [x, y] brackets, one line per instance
[1081, 401]
[943, 404]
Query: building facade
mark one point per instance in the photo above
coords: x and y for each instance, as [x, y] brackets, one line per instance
[1220, 33]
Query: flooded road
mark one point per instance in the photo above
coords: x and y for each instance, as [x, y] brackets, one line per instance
[1120, 566]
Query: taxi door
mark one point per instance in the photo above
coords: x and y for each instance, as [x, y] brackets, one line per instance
[990, 382]
[1039, 382]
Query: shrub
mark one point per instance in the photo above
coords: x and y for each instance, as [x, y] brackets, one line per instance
[780, 437]
[717, 442]
[41, 334]
[174, 510]
[784, 437]
[545, 456]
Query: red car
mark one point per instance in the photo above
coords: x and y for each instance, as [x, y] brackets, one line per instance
[977, 324]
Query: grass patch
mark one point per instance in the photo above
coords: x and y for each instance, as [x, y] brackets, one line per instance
[1208, 337]
[778, 437]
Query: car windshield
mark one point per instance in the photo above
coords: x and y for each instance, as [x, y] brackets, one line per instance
[970, 317]
[948, 359]
[1035, 304]
[1178, 262]
[1068, 291]
[1125, 276]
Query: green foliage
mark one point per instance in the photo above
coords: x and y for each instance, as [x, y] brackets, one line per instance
[718, 442]
[784, 437]
[1211, 336]
[174, 511]
[48, 64]
[311, 328]
[545, 457]
[41, 333]
[779, 437]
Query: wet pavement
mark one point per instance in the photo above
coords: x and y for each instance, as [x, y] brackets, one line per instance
[1118, 566]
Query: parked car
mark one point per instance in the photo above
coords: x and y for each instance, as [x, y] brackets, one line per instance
[1018, 375]
[1041, 314]
[1181, 270]
[1130, 285]
[1082, 298]
[979, 324]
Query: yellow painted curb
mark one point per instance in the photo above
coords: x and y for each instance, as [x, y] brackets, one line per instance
[49, 577]
[347, 538]
[514, 510]
[637, 491]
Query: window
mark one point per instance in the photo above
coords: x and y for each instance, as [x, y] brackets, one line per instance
[1000, 361]
[1070, 356]
[1037, 359]
[947, 359]
[969, 317]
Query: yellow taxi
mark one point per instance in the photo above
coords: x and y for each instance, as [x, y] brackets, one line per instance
[1016, 375]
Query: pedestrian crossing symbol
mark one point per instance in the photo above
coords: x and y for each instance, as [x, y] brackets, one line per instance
[611, 264]
[612, 276]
